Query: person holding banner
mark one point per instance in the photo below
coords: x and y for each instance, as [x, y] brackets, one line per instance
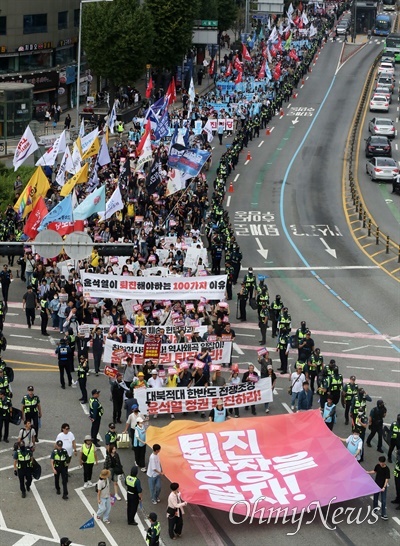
[175, 512]
[250, 376]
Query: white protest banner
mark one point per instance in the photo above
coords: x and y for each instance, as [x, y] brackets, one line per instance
[220, 351]
[178, 400]
[177, 288]
[153, 271]
[192, 257]
[87, 329]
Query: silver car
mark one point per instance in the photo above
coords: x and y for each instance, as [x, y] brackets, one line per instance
[382, 127]
[379, 102]
[382, 168]
[385, 91]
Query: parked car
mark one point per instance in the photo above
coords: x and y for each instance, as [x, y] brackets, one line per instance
[382, 127]
[378, 146]
[382, 168]
[379, 103]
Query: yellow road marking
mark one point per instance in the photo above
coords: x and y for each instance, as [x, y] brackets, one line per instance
[33, 364]
[389, 260]
[35, 370]
[376, 253]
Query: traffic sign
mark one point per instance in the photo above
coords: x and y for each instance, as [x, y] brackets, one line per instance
[208, 23]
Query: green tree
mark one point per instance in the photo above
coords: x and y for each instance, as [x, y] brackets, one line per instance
[208, 9]
[227, 12]
[117, 39]
[7, 179]
[173, 20]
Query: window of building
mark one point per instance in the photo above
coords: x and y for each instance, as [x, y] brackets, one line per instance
[65, 55]
[36, 61]
[62, 20]
[34, 24]
[76, 17]
[3, 26]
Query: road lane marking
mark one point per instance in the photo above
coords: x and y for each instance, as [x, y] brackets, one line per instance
[336, 342]
[2, 521]
[228, 201]
[44, 512]
[310, 268]
[359, 368]
[287, 407]
[236, 178]
[238, 349]
[261, 143]
[27, 540]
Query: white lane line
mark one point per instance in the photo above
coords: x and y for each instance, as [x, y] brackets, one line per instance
[247, 335]
[272, 128]
[238, 349]
[27, 540]
[92, 511]
[359, 368]
[44, 511]
[396, 371]
[397, 520]
[289, 105]
[305, 268]
[228, 201]
[247, 161]
[17, 335]
[337, 343]
[261, 143]
[307, 77]
[396, 146]
[287, 407]
[355, 348]
[301, 86]
[2, 521]
[236, 177]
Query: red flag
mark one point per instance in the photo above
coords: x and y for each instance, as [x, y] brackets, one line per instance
[229, 70]
[261, 74]
[149, 88]
[273, 50]
[64, 228]
[238, 77]
[238, 65]
[277, 71]
[296, 20]
[300, 25]
[300, 7]
[293, 55]
[171, 92]
[211, 69]
[264, 52]
[287, 35]
[35, 218]
[147, 131]
[279, 45]
[245, 53]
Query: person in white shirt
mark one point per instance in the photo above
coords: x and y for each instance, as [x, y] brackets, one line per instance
[68, 440]
[155, 382]
[175, 512]
[296, 381]
[154, 473]
[132, 421]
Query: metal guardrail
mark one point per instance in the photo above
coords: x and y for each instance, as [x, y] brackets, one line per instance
[368, 223]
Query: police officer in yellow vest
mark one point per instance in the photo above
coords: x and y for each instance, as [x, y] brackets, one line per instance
[96, 411]
[87, 459]
[44, 315]
[394, 438]
[82, 373]
[396, 474]
[134, 492]
[275, 311]
[335, 385]
[5, 413]
[59, 463]
[359, 401]
[349, 392]
[284, 320]
[301, 333]
[250, 282]
[31, 409]
[23, 467]
[314, 366]
[111, 437]
[153, 532]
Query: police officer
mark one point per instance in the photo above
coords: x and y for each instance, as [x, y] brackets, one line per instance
[376, 417]
[23, 462]
[250, 282]
[229, 282]
[335, 385]
[283, 348]
[314, 366]
[96, 411]
[82, 345]
[301, 334]
[4, 382]
[262, 296]
[242, 300]
[5, 413]
[83, 371]
[263, 322]
[284, 320]
[394, 438]
[349, 391]
[359, 403]
[331, 367]
[275, 309]
[111, 437]
[153, 532]
[323, 387]
[63, 352]
[360, 425]
[44, 315]
[59, 465]
[134, 494]
[32, 410]
[5, 278]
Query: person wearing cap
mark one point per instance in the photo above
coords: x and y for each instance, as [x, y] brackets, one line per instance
[219, 414]
[132, 420]
[5, 279]
[23, 462]
[360, 425]
[242, 300]
[4, 382]
[329, 413]
[250, 282]
[175, 511]
[63, 352]
[153, 532]
[82, 373]
[103, 496]
[139, 382]
[96, 411]
[331, 367]
[65, 541]
[134, 494]
[313, 367]
[275, 311]
[139, 444]
[59, 465]
[359, 403]
[394, 439]
[31, 409]
[375, 422]
[110, 437]
[88, 458]
[155, 382]
[300, 335]
[335, 385]
[5, 413]
[349, 391]
[114, 465]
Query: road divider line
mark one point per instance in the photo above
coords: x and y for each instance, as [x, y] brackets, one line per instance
[44, 512]
[236, 177]
[261, 143]
[228, 201]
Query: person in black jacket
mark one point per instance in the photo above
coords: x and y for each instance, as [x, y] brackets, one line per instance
[98, 343]
[376, 418]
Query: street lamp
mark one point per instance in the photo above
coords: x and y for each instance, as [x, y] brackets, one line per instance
[79, 55]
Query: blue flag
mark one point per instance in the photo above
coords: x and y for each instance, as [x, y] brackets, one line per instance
[94, 202]
[186, 136]
[88, 525]
[155, 108]
[175, 135]
[153, 120]
[162, 128]
[61, 213]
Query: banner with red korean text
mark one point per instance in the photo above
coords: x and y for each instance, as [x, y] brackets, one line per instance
[169, 331]
[220, 351]
[188, 399]
[262, 466]
[167, 288]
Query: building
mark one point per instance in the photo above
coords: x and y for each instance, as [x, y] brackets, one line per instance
[38, 45]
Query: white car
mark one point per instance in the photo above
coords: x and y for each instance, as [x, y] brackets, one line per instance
[382, 168]
[386, 68]
[379, 102]
[382, 127]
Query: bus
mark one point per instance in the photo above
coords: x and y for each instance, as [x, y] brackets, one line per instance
[383, 25]
[392, 45]
[389, 5]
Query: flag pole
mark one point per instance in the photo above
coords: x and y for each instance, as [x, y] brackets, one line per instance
[177, 203]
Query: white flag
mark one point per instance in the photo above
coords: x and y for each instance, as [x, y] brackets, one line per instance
[49, 158]
[103, 157]
[112, 119]
[208, 129]
[146, 154]
[88, 140]
[269, 23]
[312, 30]
[192, 94]
[273, 36]
[66, 165]
[82, 128]
[290, 9]
[76, 159]
[26, 146]
[175, 183]
[114, 204]
[74, 199]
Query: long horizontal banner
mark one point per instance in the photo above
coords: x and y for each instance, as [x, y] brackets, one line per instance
[178, 288]
[203, 398]
[169, 331]
[220, 351]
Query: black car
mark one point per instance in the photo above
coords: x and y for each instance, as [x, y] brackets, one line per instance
[378, 146]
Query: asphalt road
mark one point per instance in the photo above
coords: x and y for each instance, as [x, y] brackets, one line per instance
[288, 201]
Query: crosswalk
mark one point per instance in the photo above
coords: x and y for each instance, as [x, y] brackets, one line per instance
[370, 42]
